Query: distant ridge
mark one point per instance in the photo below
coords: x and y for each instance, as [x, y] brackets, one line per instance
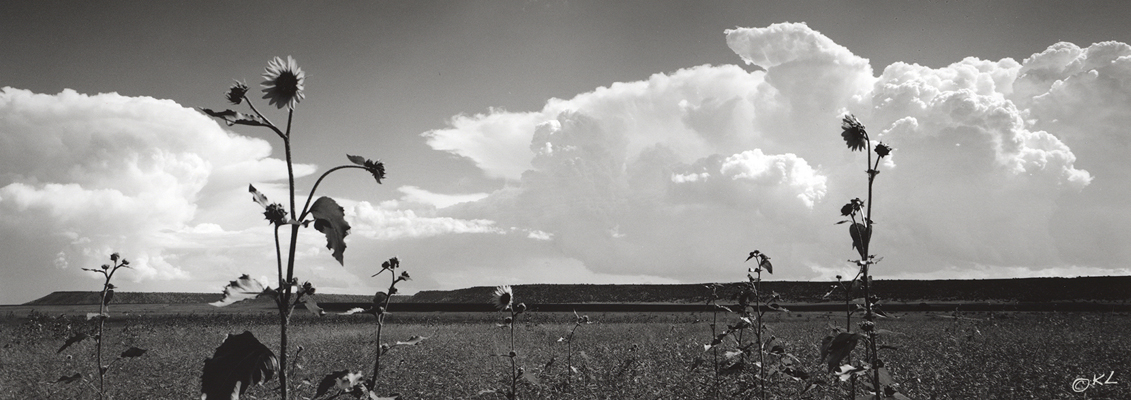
[1108, 289]
[1104, 289]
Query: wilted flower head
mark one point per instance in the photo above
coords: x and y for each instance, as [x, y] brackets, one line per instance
[283, 83]
[520, 308]
[391, 264]
[854, 134]
[377, 168]
[502, 297]
[882, 150]
[114, 257]
[853, 206]
[404, 276]
[236, 92]
[276, 213]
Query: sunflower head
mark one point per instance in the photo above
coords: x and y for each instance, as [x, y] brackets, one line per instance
[502, 297]
[276, 214]
[883, 150]
[854, 134]
[236, 92]
[283, 83]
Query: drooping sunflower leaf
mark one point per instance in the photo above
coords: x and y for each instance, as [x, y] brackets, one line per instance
[133, 352]
[240, 289]
[69, 379]
[109, 296]
[329, 218]
[312, 306]
[796, 373]
[765, 264]
[359, 160]
[232, 117]
[239, 362]
[861, 235]
[257, 196]
[413, 341]
[343, 380]
[835, 349]
[78, 337]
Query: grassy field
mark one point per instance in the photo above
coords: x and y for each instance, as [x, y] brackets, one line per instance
[621, 356]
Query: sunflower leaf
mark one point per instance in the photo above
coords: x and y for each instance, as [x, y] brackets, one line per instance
[835, 349]
[242, 288]
[343, 380]
[78, 337]
[329, 218]
[413, 341]
[239, 362]
[359, 160]
[258, 197]
[861, 235]
[133, 352]
[69, 379]
[233, 118]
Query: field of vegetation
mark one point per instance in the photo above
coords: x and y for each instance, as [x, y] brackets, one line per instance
[618, 356]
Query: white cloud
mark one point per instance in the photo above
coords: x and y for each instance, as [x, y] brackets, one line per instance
[87, 175]
[418, 195]
[682, 173]
[388, 223]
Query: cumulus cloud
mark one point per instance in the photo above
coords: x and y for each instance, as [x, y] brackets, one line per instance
[388, 221]
[438, 200]
[681, 174]
[87, 175]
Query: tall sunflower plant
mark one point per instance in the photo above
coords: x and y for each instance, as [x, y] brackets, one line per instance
[504, 301]
[836, 348]
[283, 85]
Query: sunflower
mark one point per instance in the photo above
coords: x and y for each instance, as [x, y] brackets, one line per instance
[502, 297]
[854, 134]
[283, 83]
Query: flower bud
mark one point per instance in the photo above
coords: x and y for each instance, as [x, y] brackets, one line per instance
[883, 150]
[236, 92]
[512, 354]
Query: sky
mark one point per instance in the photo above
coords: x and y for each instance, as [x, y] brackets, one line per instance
[565, 141]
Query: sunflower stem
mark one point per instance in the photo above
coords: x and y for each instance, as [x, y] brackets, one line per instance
[380, 325]
[309, 197]
[867, 261]
[265, 119]
[284, 310]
